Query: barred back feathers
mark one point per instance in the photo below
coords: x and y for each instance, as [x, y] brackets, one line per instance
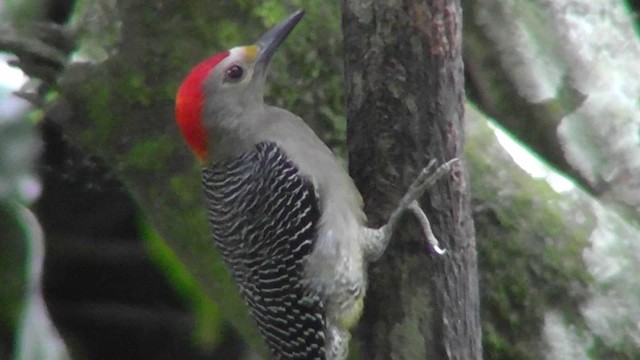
[264, 216]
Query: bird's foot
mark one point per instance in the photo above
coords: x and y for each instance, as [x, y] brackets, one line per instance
[379, 238]
[409, 201]
[426, 227]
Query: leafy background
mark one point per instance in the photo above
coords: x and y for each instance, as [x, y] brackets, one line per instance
[129, 270]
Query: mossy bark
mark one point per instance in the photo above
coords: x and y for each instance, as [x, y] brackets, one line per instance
[529, 249]
[538, 70]
[531, 240]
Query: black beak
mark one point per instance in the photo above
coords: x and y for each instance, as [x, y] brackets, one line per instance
[269, 42]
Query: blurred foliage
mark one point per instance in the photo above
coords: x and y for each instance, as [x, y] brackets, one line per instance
[207, 313]
[127, 118]
[633, 7]
[125, 105]
[12, 274]
[17, 185]
[37, 337]
[18, 149]
[533, 256]
[20, 12]
[308, 74]
[532, 238]
[25, 326]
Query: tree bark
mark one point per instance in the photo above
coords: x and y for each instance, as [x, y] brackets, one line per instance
[556, 270]
[404, 88]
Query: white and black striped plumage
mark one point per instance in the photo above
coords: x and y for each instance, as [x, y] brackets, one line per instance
[264, 217]
[284, 212]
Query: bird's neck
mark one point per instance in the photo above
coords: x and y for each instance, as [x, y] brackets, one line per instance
[233, 132]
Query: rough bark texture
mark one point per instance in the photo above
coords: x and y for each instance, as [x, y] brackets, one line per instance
[404, 87]
[556, 269]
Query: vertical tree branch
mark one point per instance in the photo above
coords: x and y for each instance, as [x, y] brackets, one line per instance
[404, 87]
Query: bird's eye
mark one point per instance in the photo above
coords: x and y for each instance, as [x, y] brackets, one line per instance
[234, 73]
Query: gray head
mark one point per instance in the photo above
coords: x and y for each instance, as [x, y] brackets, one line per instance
[219, 92]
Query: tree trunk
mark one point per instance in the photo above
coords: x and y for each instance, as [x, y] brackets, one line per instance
[556, 269]
[404, 88]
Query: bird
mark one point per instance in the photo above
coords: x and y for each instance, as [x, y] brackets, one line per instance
[283, 211]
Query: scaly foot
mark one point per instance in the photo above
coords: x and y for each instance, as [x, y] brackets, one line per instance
[378, 239]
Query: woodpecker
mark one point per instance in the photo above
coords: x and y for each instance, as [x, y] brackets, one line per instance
[283, 212]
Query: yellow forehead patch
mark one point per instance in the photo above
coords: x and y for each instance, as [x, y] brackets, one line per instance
[251, 52]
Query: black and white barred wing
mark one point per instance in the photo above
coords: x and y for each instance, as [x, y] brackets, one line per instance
[263, 217]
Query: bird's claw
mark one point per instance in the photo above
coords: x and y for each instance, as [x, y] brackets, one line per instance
[425, 180]
[426, 227]
[379, 239]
